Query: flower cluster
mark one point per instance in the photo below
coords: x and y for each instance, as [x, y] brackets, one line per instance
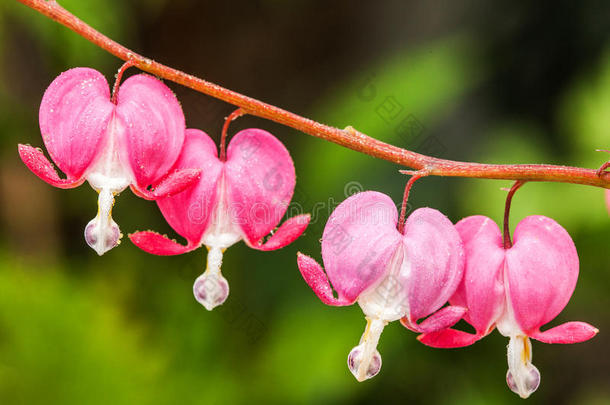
[410, 275]
[423, 271]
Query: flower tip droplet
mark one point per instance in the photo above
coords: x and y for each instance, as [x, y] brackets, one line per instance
[528, 384]
[211, 290]
[101, 235]
[357, 363]
[523, 378]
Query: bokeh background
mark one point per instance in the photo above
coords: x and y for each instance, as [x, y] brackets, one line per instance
[502, 81]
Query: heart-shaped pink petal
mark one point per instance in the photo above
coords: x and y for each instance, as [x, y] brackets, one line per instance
[74, 116]
[541, 269]
[153, 128]
[190, 211]
[435, 258]
[260, 179]
[359, 240]
[482, 287]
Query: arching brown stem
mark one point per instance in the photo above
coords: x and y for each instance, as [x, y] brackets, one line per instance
[349, 138]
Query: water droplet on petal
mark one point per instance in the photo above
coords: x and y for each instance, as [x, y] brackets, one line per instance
[211, 290]
[355, 358]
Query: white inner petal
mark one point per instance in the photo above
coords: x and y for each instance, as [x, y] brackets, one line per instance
[507, 324]
[108, 172]
[223, 230]
[108, 177]
[211, 289]
[387, 300]
[522, 377]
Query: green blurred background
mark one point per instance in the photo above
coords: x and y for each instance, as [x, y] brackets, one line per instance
[503, 81]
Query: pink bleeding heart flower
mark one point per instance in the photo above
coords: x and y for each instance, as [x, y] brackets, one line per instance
[516, 289]
[244, 197]
[392, 275]
[133, 139]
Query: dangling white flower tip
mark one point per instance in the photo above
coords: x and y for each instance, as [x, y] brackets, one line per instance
[102, 233]
[530, 380]
[357, 363]
[523, 378]
[364, 361]
[211, 289]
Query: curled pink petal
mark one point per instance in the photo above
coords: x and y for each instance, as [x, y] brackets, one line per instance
[174, 183]
[318, 281]
[152, 128]
[541, 269]
[74, 116]
[190, 211]
[287, 233]
[482, 287]
[436, 261]
[441, 319]
[157, 244]
[35, 160]
[569, 332]
[260, 179]
[448, 339]
[359, 240]
[607, 193]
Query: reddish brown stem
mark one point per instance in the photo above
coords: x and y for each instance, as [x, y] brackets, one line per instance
[349, 138]
[405, 198]
[223, 136]
[509, 199]
[118, 78]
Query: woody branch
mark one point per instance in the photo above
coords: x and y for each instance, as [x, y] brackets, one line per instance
[348, 137]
